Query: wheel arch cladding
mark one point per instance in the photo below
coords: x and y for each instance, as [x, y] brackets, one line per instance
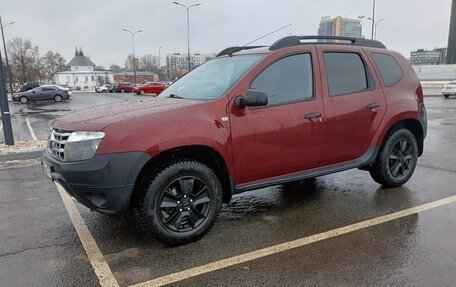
[415, 127]
[204, 154]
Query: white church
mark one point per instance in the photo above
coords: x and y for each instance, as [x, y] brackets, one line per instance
[81, 74]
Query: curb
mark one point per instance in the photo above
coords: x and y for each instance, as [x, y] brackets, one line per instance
[21, 155]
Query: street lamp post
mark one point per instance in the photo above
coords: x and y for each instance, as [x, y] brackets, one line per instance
[159, 56]
[376, 24]
[133, 40]
[373, 20]
[188, 28]
[10, 75]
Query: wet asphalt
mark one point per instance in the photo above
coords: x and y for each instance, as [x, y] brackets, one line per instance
[39, 245]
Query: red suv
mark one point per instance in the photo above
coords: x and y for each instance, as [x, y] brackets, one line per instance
[251, 118]
[150, 88]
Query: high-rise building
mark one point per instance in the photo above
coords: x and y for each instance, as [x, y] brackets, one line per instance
[340, 26]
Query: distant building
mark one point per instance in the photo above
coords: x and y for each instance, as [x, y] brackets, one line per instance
[141, 77]
[81, 74]
[177, 64]
[340, 26]
[436, 56]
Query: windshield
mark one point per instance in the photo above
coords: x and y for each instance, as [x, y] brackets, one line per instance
[212, 79]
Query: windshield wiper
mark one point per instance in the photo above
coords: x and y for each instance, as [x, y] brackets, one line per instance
[174, 96]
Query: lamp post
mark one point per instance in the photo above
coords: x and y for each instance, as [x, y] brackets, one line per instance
[4, 108]
[159, 56]
[188, 28]
[133, 40]
[10, 75]
[373, 19]
[376, 24]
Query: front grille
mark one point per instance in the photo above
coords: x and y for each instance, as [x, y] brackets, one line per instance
[57, 142]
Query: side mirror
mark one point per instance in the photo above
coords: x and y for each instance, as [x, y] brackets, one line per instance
[252, 98]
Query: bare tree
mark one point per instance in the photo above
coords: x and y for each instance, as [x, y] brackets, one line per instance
[52, 64]
[150, 63]
[115, 69]
[23, 59]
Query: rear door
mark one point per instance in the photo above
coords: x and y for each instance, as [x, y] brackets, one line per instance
[48, 93]
[277, 139]
[353, 100]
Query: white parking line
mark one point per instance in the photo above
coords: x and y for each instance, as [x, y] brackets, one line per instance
[98, 262]
[32, 133]
[196, 271]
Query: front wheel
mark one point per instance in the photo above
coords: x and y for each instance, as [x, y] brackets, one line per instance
[122, 91]
[396, 160]
[23, 100]
[180, 203]
[143, 92]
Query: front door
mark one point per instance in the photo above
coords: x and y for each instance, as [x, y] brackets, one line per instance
[277, 140]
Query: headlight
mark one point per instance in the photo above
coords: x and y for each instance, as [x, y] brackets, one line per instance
[82, 145]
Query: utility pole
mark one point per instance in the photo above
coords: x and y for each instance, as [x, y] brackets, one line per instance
[4, 108]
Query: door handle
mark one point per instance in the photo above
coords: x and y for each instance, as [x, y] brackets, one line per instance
[313, 116]
[373, 106]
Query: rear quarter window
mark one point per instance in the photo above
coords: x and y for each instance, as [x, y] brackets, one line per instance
[389, 68]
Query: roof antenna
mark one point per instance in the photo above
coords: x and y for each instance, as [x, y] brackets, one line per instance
[267, 35]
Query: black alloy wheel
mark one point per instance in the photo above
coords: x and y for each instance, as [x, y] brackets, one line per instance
[180, 202]
[184, 204]
[400, 158]
[396, 160]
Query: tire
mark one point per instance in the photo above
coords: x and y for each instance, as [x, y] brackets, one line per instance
[104, 91]
[446, 96]
[23, 100]
[167, 209]
[122, 91]
[396, 160]
[58, 98]
[142, 92]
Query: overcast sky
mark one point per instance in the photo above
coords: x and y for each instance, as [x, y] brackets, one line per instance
[96, 25]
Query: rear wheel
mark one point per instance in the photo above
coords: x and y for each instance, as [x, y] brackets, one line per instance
[23, 100]
[446, 96]
[180, 203]
[58, 98]
[396, 160]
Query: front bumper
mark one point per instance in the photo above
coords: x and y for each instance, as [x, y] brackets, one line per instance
[103, 183]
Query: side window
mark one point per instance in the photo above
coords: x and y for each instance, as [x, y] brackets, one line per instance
[346, 73]
[288, 80]
[47, 89]
[389, 68]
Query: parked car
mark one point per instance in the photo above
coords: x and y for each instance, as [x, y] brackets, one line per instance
[105, 89]
[28, 86]
[124, 87]
[449, 89]
[150, 88]
[43, 92]
[251, 118]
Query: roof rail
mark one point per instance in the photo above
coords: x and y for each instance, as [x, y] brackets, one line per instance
[297, 40]
[231, 50]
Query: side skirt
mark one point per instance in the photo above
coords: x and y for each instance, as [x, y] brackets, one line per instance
[366, 159]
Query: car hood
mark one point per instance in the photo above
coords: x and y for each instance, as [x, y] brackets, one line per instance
[99, 117]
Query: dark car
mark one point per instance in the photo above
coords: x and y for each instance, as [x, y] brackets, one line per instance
[28, 86]
[251, 118]
[43, 92]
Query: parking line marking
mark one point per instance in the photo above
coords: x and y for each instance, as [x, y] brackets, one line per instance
[30, 129]
[228, 262]
[96, 258]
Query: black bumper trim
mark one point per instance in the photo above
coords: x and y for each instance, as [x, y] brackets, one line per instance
[103, 183]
